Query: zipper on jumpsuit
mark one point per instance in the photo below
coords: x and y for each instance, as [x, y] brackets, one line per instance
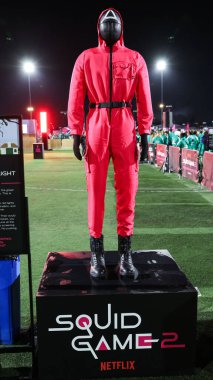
[110, 82]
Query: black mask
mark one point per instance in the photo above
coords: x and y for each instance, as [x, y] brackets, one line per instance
[110, 27]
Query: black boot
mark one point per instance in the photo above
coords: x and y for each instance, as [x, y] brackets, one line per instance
[126, 268]
[98, 267]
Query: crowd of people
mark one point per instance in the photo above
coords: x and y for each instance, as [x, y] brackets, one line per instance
[193, 139]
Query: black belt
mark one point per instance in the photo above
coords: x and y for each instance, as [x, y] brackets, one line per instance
[110, 105]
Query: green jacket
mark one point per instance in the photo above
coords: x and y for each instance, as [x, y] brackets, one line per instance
[193, 142]
[157, 140]
[183, 143]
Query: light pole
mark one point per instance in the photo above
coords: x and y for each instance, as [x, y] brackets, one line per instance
[161, 66]
[29, 68]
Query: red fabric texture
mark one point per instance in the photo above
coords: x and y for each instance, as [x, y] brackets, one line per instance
[107, 138]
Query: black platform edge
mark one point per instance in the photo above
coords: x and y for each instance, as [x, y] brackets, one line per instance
[70, 270]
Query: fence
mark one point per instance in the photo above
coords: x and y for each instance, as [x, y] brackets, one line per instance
[183, 161]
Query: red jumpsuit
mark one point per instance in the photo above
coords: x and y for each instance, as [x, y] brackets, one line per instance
[107, 74]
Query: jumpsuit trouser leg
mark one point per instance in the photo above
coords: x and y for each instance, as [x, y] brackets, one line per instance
[125, 161]
[120, 143]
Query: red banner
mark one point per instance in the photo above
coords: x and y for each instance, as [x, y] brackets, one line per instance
[151, 153]
[174, 159]
[161, 154]
[207, 172]
[189, 161]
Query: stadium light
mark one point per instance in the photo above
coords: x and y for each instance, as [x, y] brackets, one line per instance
[29, 68]
[161, 66]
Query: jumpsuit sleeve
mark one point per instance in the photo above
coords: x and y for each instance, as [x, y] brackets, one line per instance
[77, 93]
[143, 99]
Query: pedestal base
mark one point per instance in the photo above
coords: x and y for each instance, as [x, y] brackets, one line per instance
[112, 327]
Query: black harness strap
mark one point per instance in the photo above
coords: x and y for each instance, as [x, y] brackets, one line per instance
[110, 105]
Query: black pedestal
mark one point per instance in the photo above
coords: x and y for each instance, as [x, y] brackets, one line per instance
[115, 328]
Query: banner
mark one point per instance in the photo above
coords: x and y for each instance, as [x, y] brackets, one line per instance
[13, 235]
[174, 159]
[151, 153]
[189, 163]
[207, 172]
[161, 154]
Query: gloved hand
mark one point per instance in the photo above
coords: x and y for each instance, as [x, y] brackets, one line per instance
[144, 147]
[76, 146]
[83, 145]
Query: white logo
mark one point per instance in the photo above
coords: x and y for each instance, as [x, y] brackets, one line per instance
[85, 322]
[188, 162]
[111, 15]
[114, 342]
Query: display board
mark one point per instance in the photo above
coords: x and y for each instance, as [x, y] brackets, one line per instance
[13, 220]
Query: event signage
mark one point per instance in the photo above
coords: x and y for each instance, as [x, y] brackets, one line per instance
[189, 164]
[174, 159]
[38, 150]
[161, 154]
[207, 172]
[124, 331]
[12, 196]
[119, 322]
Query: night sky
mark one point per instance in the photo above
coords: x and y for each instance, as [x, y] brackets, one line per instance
[54, 35]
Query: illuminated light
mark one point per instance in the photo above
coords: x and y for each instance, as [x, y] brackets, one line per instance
[161, 65]
[30, 109]
[24, 128]
[29, 67]
[43, 122]
[161, 105]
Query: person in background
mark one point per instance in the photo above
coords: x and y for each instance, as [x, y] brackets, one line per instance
[175, 138]
[205, 139]
[183, 140]
[158, 138]
[192, 140]
[200, 144]
[165, 137]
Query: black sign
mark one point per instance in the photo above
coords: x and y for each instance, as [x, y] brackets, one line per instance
[13, 237]
[38, 150]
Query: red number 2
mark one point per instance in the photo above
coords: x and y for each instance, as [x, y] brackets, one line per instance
[173, 338]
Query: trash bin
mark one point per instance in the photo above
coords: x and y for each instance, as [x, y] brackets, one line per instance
[38, 150]
[9, 299]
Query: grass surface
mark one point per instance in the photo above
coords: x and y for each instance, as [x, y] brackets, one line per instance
[171, 213]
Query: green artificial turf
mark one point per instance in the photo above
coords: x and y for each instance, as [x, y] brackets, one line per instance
[171, 213]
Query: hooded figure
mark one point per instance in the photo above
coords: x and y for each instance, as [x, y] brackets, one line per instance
[110, 75]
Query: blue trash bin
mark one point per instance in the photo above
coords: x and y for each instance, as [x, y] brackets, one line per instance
[9, 299]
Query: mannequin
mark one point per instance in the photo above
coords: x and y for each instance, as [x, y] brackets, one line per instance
[111, 75]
